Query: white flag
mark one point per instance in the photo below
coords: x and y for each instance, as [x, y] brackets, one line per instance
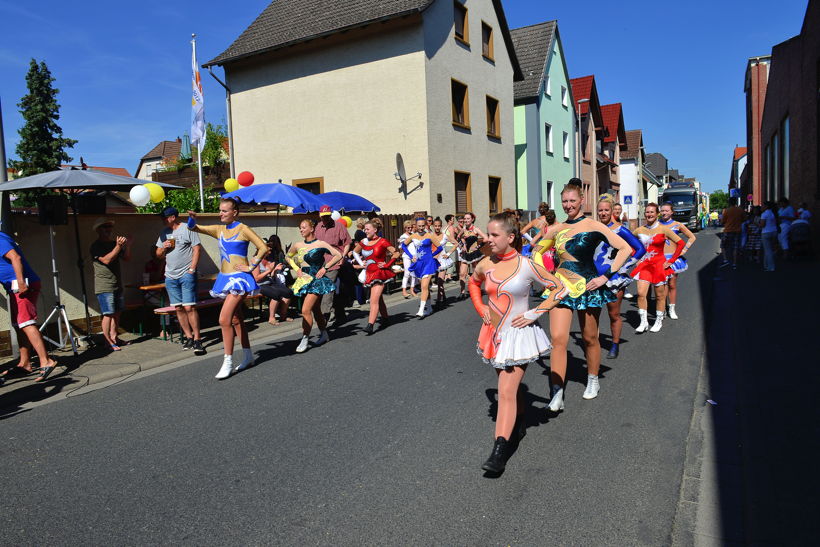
[197, 105]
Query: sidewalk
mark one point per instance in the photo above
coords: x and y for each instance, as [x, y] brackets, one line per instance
[749, 476]
[99, 364]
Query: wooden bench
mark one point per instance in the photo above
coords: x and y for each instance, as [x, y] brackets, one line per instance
[170, 311]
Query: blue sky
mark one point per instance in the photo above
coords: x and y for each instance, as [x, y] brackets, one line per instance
[123, 67]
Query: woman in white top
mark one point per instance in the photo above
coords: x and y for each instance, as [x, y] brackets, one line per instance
[408, 278]
[768, 235]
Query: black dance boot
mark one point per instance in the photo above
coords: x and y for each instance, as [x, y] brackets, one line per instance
[498, 457]
[368, 330]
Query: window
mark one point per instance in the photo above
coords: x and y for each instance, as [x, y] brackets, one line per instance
[461, 106]
[464, 201]
[548, 137]
[495, 195]
[547, 88]
[315, 185]
[775, 151]
[566, 145]
[564, 96]
[487, 41]
[549, 193]
[493, 118]
[767, 154]
[461, 28]
[784, 161]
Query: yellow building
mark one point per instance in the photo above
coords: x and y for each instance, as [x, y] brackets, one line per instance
[326, 100]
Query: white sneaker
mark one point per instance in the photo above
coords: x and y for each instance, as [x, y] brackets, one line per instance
[226, 369]
[672, 314]
[247, 360]
[628, 295]
[323, 338]
[658, 322]
[593, 387]
[422, 308]
[303, 345]
[557, 401]
[644, 322]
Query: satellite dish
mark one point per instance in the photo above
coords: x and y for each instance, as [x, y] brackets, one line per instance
[400, 172]
[401, 176]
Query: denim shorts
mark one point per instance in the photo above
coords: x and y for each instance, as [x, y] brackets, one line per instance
[182, 291]
[111, 302]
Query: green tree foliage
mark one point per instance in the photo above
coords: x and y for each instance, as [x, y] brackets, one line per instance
[42, 147]
[213, 153]
[718, 200]
[185, 200]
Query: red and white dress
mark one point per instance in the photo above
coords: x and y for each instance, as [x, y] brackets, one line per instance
[650, 268]
[374, 254]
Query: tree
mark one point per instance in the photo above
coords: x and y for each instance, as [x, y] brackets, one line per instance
[718, 200]
[42, 145]
[213, 153]
[185, 200]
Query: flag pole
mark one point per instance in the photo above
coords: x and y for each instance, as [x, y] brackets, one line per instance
[201, 140]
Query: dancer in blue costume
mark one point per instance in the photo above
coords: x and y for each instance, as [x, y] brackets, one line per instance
[680, 265]
[235, 280]
[307, 258]
[424, 264]
[575, 241]
[604, 255]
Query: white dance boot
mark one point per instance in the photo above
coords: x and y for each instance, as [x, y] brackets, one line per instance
[672, 314]
[658, 322]
[422, 308]
[303, 344]
[226, 369]
[428, 310]
[557, 400]
[247, 360]
[593, 387]
[644, 321]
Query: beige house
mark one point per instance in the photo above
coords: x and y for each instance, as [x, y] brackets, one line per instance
[157, 157]
[326, 99]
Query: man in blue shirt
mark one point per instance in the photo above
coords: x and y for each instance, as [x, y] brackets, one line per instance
[23, 287]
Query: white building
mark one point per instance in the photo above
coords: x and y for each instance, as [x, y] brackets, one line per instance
[326, 102]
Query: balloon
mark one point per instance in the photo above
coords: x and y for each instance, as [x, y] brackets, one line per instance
[140, 196]
[156, 191]
[335, 215]
[347, 220]
[231, 185]
[245, 178]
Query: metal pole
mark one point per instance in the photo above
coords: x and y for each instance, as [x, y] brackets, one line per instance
[5, 207]
[200, 144]
[230, 122]
[81, 268]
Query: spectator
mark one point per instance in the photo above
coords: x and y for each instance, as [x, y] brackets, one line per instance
[752, 246]
[359, 234]
[272, 280]
[803, 212]
[106, 252]
[768, 235]
[786, 215]
[713, 218]
[181, 249]
[334, 234]
[23, 288]
[730, 242]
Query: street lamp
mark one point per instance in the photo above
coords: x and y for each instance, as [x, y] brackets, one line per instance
[579, 102]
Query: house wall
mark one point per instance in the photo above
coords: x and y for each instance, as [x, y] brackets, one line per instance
[147, 168]
[521, 155]
[340, 109]
[555, 167]
[454, 149]
[589, 172]
[630, 177]
[757, 76]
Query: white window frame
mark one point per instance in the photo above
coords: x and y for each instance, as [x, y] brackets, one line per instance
[564, 96]
[548, 137]
[566, 145]
[547, 88]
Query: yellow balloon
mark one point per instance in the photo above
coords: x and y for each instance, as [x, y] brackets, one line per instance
[347, 220]
[231, 185]
[156, 191]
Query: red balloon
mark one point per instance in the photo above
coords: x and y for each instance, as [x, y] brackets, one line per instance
[245, 178]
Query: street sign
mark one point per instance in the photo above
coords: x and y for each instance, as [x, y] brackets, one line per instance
[627, 200]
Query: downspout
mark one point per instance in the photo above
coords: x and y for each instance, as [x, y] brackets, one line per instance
[230, 121]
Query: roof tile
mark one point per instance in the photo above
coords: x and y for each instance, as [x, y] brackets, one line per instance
[613, 122]
[532, 46]
[634, 141]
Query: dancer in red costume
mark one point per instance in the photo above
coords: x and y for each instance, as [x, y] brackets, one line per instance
[373, 251]
[655, 269]
[510, 338]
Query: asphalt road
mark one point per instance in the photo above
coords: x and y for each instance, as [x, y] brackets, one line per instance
[367, 440]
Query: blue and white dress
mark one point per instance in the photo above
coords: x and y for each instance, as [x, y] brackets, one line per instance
[605, 254]
[680, 265]
[233, 240]
[426, 263]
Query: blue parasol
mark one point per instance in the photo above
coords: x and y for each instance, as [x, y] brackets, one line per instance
[346, 201]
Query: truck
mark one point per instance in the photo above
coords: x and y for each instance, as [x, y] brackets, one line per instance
[686, 202]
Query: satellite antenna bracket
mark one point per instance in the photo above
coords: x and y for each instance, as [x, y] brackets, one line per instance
[401, 176]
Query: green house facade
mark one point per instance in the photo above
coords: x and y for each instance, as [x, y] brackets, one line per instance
[545, 139]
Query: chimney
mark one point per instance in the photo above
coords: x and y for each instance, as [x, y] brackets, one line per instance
[179, 140]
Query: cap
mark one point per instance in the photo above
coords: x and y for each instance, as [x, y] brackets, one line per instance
[325, 210]
[101, 222]
[169, 212]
